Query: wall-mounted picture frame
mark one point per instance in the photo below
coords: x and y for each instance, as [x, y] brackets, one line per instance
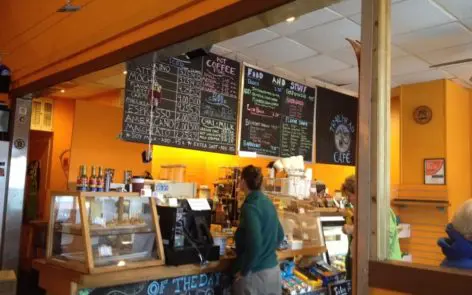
[435, 171]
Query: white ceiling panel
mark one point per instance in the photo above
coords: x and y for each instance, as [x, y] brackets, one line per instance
[411, 15]
[329, 36]
[461, 71]
[407, 64]
[306, 21]
[238, 56]
[316, 65]
[279, 51]
[346, 54]
[422, 76]
[461, 9]
[220, 50]
[354, 87]
[347, 7]
[448, 54]
[439, 37]
[249, 39]
[347, 76]
[468, 22]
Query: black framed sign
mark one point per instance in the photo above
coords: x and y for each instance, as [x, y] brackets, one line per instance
[277, 116]
[336, 128]
[198, 106]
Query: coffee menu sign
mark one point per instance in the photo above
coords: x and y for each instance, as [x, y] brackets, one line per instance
[336, 128]
[277, 115]
[198, 105]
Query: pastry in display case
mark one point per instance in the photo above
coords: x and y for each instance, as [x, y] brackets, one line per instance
[97, 232]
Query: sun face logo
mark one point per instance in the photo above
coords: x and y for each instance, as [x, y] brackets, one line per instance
[343, 131]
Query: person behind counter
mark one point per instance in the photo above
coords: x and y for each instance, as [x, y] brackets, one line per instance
[458, 246]
[349, 189]
[258, 236]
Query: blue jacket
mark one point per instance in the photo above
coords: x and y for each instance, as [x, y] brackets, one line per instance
[457, 249]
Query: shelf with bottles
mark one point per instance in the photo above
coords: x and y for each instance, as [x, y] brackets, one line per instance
[121, 231]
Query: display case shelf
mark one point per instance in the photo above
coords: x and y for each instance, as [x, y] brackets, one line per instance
[99, 232]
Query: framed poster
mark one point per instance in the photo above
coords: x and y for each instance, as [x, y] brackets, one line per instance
[435, 171]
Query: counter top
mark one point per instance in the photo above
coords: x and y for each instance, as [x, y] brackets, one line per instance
[53, 274]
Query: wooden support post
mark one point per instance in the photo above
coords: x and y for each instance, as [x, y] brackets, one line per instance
[373, 161]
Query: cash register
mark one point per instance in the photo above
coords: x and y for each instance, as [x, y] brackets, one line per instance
[185, 231]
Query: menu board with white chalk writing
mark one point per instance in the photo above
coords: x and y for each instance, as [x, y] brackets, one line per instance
[198, 106]
[277, 116]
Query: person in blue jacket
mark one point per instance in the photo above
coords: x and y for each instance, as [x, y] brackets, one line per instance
[457, 247]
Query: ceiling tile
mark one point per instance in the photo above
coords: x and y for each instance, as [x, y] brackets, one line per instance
[462, 71]
[347, 7]
[279, 51]
[459, 8]
[306, 21]
[411, 15]
[350, 7]
[249, 39]
[468, 22]
[354, 87]
[448, 54]
[316, 65]
[238, 56]
[329, 36]
[343, 77]
[439, 37]
[408, 64]
[220, 50]
[421, 76]
[346, 54]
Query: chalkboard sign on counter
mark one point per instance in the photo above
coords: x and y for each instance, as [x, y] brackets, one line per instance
[340, 288]
[199, 104]
[336, 128]
[200, 284]
[277, 115]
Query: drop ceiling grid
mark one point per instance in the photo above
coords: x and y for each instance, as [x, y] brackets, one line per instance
[416, 39]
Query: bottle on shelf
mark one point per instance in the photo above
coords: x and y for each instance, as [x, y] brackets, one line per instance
[100, 179]
[82, 179]
[93, 180]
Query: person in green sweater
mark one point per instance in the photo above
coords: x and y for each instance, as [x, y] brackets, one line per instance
[349, 189]
[258, 236]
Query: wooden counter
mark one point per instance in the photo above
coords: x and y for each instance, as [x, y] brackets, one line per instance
[60, 281]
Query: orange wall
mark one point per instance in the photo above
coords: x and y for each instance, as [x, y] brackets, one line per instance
[421, 141]
[62, 126]
[95, 141]
[458, 135]
[395, 141]
[34, 50]
[202, 167]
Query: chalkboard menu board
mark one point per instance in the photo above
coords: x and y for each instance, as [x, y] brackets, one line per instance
[199, 104]
[336, 124]
[277, 116]
[200, 284]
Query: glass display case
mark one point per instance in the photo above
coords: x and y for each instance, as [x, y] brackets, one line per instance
[97, 232]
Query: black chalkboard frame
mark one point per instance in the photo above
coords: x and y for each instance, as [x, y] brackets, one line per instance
[241, 102]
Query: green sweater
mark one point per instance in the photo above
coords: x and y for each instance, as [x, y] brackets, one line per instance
[258, 236]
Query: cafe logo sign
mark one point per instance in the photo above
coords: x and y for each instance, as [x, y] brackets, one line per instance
[343, 131]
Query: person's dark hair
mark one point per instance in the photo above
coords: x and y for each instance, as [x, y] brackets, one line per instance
[253, 177]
